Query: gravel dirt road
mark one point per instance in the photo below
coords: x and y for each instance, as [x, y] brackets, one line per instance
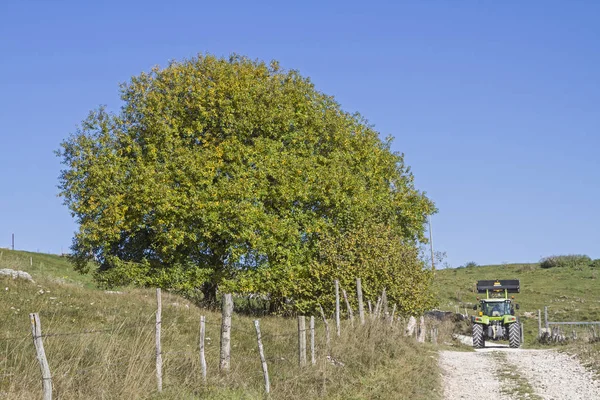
[507, 373]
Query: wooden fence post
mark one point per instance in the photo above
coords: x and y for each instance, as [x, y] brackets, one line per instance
[337, 307]
[157, 342]
[36, 331]
[539, 323]
[393, 315]
[411, 327]
[226, 311]
[348, 308]
[263, 360]
[370, 309]
[301, 341]
[326, 327]
[313, 360]
[377, 307]
[384, 304]
[202, 356]
[546, 318]
[422, 333]
[361, 308]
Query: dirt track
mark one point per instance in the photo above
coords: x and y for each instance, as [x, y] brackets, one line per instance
[515, 374]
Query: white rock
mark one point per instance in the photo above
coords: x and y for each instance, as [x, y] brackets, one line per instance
[16, 274]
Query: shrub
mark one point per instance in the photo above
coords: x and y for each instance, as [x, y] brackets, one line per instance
[471, 264]
[565, 261]
[595, 263]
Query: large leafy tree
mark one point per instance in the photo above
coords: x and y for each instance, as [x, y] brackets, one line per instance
[231, 173]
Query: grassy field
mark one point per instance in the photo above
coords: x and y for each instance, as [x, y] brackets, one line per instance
[117, 360]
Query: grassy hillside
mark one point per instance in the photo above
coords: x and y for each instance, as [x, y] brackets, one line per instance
[44, 266]
[571, 294]
[115, 358]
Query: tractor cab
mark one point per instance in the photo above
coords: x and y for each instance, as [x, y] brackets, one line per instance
[497, 308]
[496, 302]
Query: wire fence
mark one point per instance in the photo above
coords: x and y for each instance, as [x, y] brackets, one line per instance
[282, 348]
[563, 331]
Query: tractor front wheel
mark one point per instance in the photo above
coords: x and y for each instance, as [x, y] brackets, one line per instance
[514, 335]
[478, 336]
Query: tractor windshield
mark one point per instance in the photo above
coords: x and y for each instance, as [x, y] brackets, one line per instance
[496, 309]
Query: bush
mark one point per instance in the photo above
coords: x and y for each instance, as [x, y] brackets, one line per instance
[566, 261]
[471, 264]
[595, 263]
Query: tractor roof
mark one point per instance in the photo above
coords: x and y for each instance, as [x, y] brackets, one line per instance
[510, 285]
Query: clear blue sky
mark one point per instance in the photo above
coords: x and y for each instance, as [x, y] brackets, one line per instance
[496, 104]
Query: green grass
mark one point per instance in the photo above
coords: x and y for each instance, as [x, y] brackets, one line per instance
[44, 266]
[379, 362]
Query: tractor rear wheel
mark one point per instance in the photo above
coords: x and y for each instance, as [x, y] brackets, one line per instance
[514, 335]
[478, 336]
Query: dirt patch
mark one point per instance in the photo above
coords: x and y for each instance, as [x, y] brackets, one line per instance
[555, 375]
[464, 372]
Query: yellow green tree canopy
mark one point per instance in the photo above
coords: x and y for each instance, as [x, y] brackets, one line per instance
[239, 175]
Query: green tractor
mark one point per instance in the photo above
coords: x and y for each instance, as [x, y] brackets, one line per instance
[496, 319]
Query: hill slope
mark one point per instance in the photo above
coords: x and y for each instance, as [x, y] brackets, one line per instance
[44, 266]
[101, 345]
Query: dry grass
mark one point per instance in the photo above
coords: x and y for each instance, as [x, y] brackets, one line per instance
[378, 361]
[588, 352]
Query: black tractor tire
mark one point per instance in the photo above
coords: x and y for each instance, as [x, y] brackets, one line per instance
[478, 342]
[514, 335]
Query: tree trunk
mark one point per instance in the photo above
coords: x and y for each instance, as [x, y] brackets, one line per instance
[275, 305]
[209, 290]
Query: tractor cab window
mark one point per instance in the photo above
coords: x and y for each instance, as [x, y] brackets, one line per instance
[496, 309]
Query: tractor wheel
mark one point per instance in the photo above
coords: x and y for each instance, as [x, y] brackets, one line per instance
[478, 336]
[514, 335]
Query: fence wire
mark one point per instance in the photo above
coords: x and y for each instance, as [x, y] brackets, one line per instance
[275, 349]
